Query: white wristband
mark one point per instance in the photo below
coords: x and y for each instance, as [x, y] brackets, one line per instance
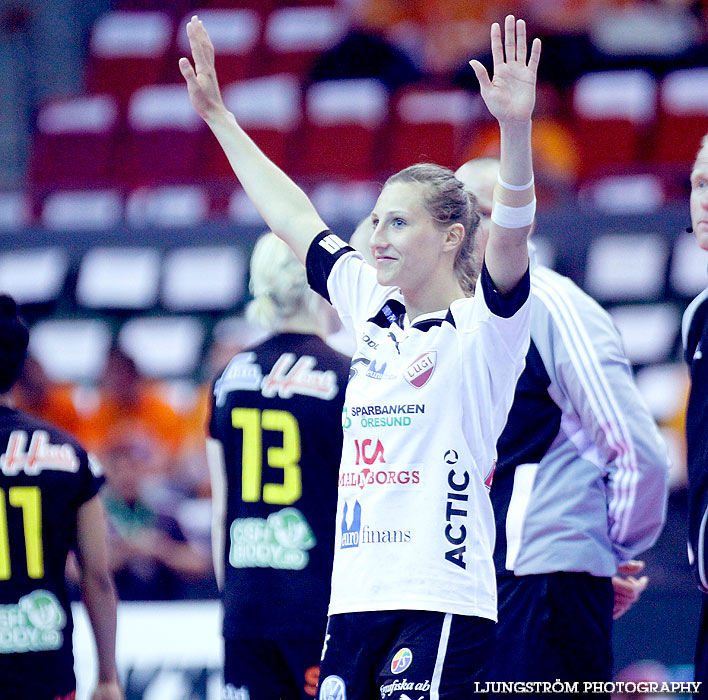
[514, 188]
[513, 217]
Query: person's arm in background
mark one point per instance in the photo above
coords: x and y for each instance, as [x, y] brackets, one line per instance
[510, 97]
[284, 207]
[596, 378]
[217, 472]
[98, 594]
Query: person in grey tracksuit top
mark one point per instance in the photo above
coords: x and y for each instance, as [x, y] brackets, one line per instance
[580, 484]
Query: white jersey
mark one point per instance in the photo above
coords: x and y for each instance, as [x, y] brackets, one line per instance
[424, 407]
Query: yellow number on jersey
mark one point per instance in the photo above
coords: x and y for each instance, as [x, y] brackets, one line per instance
[29, 498]
[253, 422]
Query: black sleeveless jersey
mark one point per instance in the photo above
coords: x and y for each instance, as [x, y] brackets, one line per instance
[277, 410]
[45, 476]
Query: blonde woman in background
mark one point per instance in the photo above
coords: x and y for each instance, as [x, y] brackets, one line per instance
[274, 448]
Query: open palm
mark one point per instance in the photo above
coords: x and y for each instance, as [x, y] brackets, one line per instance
[201, 79]
[511, 94]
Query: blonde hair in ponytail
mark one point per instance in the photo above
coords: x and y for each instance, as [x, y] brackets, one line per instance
[278, 285]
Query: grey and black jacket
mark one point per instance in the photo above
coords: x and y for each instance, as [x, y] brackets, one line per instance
[581, 472]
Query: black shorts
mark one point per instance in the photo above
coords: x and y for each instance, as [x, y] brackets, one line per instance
[554, 626]
[398, 654]
[257, 669]
[37, 676]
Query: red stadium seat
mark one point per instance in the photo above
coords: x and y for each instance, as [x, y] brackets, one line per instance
[74, 142]
[295, 36]
[128, 50]
[430, 126]
[236, 35]
[683, 116]
[269, 110]
[164, 136]
[344, 120]
[612, 112]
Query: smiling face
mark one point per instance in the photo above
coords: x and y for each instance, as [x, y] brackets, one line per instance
[699, 197]
[406, 243]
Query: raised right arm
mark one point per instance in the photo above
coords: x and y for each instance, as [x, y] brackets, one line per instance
[284, 207]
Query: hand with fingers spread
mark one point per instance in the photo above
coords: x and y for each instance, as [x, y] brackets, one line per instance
[627, 587]
[511, 94]
[202, 83]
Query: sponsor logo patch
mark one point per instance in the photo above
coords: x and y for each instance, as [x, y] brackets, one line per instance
[279, 542]
[384, 477]
[231, 692]
[419, 372]
[40, 455]
[376, 371]
[333, 688]
[401, 660]
[35, 623]
[355, 534]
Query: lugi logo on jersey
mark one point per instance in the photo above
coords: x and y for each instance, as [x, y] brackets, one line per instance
[332, 244]
[402, 659]
[333, 688]
[418, 373]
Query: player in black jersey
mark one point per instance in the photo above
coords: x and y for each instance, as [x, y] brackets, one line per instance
[275, 448]
[49, 505]
[695, 337]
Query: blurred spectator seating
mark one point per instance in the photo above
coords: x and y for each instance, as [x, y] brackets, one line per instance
[168, 205]
[164, 136]
[208, 278]
[15, 210]
[163, 346]
[683, 116]
[36, 394]
[33, 275]
[342, 134]
[612, 112]
[151, 557]
[639, 193]
[269, 109]
[118, 278]
[687, 276]
[71, 350]
[295, 36]
[82, 210]
[649, 331]
[128, 49]
[626, 267]
[430, 126]
[123, 400]
[74, 141]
